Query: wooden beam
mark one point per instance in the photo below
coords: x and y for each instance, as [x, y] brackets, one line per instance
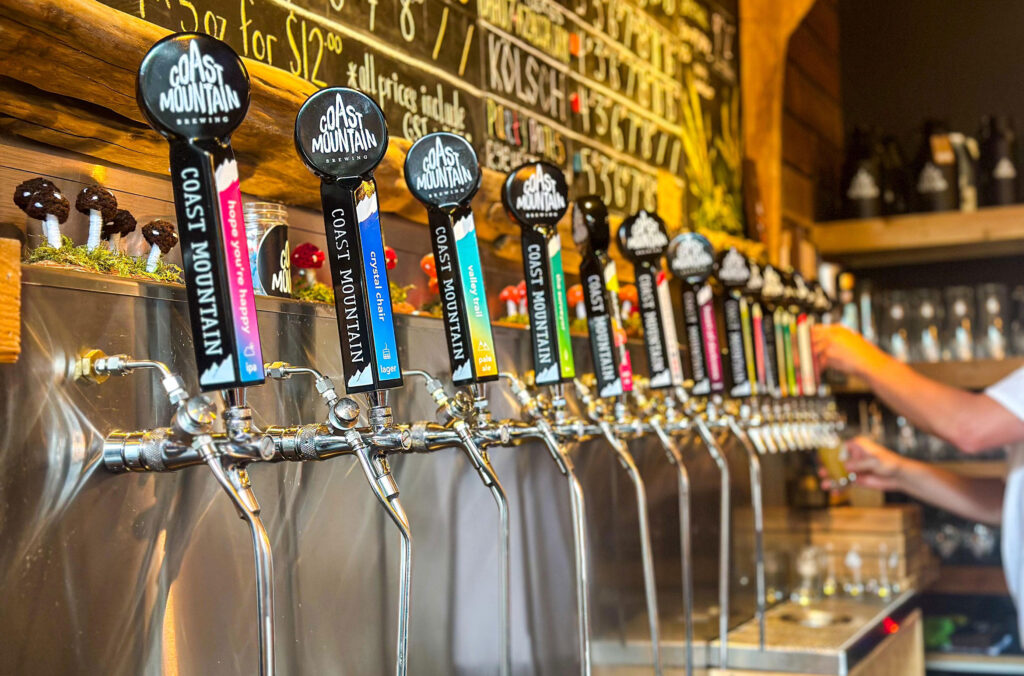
[765, 27]
[67, 79]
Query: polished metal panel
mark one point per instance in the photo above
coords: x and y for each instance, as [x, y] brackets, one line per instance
[152, 573]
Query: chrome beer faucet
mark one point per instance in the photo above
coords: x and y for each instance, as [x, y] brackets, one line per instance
[442, 172]
[204, 177]
[535, 196]
[366, 327]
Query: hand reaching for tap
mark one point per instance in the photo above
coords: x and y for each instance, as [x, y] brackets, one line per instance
[837, 347]
[874, 465]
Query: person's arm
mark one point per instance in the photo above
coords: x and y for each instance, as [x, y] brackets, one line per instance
[972, 422]
[877, 467]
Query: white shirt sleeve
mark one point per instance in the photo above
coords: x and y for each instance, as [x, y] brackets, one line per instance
[1009, 392]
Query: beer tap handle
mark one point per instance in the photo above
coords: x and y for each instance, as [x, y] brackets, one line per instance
[535, 196]
[341, 135]
[613, 369]
[691, 259]
[208, 203]
[643, 240]
[442, 172]
[733, 273]
[218, 280]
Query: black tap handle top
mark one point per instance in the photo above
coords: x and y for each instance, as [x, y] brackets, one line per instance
[442, 172]
[592, 236]
[643, 240]
[341, 135]
[536, 197]
[691, 259]
[733, 272]
[194, 90]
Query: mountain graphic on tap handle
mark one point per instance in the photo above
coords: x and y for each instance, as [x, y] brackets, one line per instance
[442, 172]
[194, 90]
[591, 234]
[341, 136]
[536, 197]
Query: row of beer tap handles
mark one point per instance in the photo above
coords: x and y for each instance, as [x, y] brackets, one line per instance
[341, 135]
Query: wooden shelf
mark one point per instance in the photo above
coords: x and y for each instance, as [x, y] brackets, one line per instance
[977, 469]
[968, 375]
[974, 664]
[920, 238]
[970, 580]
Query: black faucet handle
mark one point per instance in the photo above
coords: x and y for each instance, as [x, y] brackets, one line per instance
[442, 172]
[194, 90]
[592, 235]
[536, 196]
[691, 259]
[643, 240]
[342, 136]
[733, 272]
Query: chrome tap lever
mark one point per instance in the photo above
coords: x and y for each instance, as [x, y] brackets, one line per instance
[675, 456]
[234, 479]
[375, 467]
[546, 432]
[596, 412]
[457, 411]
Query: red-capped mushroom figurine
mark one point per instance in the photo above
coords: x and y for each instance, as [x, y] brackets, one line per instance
[100, 205]
[161, 237]
[390, 258]
[307, 258]
[509, 295]
[40, 199]
[575, 297]
[629, 298]
[521, 291]
[117, 228]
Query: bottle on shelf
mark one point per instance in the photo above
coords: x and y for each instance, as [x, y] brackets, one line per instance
[966, 150]
[960, 327]
[997, 165]
[895, 178]
[862, 176]
[934, 170]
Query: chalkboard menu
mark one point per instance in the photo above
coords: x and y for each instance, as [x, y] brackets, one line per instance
[620, 93]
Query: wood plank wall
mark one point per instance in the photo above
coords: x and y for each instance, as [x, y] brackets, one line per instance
[812, 132]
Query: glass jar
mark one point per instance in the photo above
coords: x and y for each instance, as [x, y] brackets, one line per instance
[266, 233]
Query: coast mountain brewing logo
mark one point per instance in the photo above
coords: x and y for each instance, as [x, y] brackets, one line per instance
[441, 169]
[341, 133]
[193, 86]
[536, 194]
[733, 269]
[643, 235]
[197, 87]
[691, 257]
[540, 193]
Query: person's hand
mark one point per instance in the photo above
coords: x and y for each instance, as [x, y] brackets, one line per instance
[837, 347]
[874, 465]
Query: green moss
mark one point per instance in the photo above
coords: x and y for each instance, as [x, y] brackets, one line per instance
[321, 293]
[105, 261]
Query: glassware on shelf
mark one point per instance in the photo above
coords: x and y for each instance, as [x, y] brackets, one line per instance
[1017, 320]
[266, 233]
[854, 585]
[808, 570]
[960, 323]
[868, 327]
[894, 326]
[928, 322]
[992, 321]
